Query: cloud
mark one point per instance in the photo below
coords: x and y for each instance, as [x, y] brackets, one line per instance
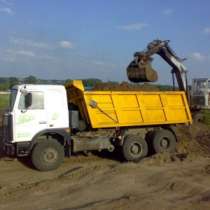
[168, 11]
[26, 53]
[29, 43]
[7, 10]
[197, 56]
[6, 2]
[207, 30]
[133, 27]
[13, 55]
[65, 44]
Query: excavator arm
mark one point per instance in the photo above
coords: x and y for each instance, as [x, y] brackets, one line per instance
[140, 69]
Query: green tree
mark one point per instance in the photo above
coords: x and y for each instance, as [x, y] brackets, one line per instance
[91, 82]
[13, 81]
[30, 80]
[67, 81]
[4, 86]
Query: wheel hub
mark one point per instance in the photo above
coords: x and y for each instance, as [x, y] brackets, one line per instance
[135, 149]
[164, 143]
[50, 155]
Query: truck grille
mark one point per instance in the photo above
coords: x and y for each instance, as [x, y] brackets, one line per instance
[7, 127]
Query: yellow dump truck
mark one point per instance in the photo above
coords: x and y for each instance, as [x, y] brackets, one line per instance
[154, 113]
[43, 121]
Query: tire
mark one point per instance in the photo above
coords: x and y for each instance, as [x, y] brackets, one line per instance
[47, 155]
[164, 141]
[198, 117]
[134, 148]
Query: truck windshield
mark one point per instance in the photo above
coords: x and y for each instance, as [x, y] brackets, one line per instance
[201, 84]
[12, 98]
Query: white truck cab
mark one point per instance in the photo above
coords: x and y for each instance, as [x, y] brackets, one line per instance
[35, 108]
[41, 124]
[35, 111]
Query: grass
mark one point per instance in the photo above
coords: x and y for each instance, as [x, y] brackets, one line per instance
[4, 101]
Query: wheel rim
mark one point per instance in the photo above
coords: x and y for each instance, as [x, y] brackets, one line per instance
[135, 149]
[164, 143]
[50, 155]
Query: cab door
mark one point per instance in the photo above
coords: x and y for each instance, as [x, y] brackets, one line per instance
[57, 108]
[29, 116]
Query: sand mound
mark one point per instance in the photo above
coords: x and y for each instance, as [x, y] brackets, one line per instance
[194, 140]
[193, 143]
[124, 86]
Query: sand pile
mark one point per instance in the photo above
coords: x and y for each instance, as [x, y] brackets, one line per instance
[193, 143]
[124, 86]
[194, 140]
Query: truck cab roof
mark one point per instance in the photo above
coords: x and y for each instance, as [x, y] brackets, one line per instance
[38, 87]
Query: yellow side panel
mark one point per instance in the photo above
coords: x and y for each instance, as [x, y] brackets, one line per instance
[127, 108]
[151, 100]
[105, 113]
[125, 101]
[129, 117]
[173, 100]
[175, 108]
[152, 109]
[103, 119]
[176, 115]
[115, 109]
[105, 101]
[153, 116]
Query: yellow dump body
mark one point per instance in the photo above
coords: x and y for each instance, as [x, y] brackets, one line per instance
[106, 109]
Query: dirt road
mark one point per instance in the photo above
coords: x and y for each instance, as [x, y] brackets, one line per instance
[161, 182]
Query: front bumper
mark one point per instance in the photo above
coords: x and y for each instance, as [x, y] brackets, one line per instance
[20, 149]
[9, 149]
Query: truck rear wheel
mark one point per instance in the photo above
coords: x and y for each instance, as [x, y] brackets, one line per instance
[198, 117]
[134, 148]
[47, 155]
[163, 140]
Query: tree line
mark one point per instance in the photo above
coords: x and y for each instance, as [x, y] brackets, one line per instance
[6, 83]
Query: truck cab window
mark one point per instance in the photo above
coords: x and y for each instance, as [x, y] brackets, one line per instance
[200, 84]
[208, 84]
[12, 98]
[37, 101]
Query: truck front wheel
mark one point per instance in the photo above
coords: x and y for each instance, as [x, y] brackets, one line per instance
[134, 148]
[47, 155]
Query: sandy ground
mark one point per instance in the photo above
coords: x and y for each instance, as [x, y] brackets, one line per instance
[161, 182]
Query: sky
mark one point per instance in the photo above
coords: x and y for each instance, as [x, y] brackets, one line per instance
[75, 39]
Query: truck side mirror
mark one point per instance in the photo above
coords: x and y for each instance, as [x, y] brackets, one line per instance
[28, 100]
